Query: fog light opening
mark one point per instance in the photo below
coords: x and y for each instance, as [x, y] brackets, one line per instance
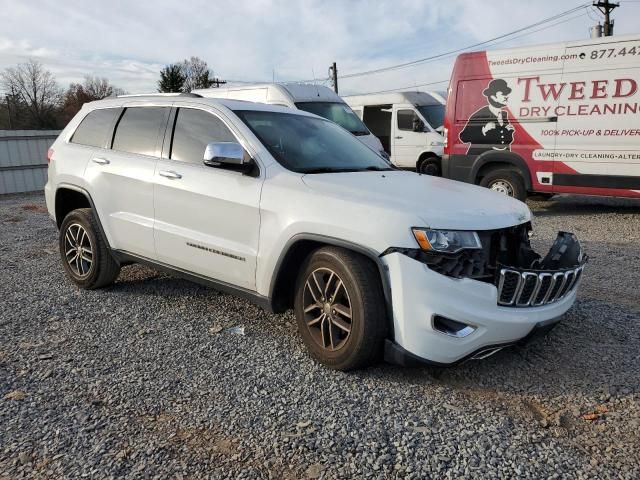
[452, 327]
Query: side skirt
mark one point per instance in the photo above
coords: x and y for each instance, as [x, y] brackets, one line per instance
[123, 257]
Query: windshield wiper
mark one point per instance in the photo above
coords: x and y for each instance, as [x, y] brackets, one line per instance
[329, 170]
[359, 133]
[378, 169]
[371, 168]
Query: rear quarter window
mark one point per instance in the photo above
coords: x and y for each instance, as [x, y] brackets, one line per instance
[94, 128]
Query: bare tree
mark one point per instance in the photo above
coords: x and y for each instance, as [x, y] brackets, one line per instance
[196, 73]
[98, 88]
[36, 88]
[77, 94]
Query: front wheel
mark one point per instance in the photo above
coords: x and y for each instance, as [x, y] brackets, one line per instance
[429, 166]
[340, 309]
[507, 182]
[85, 256]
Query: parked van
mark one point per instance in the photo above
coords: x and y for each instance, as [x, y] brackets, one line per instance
[409, 125]
[559, 118]
[316, 99]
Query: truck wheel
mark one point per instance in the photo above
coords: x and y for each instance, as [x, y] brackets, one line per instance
[340, 309]
[429, 166]
[85, 256]
[505, 181]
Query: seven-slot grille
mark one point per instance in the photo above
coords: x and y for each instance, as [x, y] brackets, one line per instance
[532, 289]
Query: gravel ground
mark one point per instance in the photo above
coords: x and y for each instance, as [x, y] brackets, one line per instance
[144, 379]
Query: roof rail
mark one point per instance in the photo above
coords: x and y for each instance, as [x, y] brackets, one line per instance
[193, 95]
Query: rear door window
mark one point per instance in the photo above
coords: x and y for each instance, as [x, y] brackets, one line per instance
[193, 130]
[139, 130]
[95, 127]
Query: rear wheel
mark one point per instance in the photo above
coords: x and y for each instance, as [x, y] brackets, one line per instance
[508, 182]
[85, 256]
[340, 309]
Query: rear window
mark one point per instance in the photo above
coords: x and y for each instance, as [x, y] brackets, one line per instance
[94, 128]
[139, 129]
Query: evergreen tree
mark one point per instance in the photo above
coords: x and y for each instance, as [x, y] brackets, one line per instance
[172, 79]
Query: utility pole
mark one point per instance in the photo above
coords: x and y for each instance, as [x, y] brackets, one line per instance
[9, 112]
[217, 82]
[606, 8]
[333, 74]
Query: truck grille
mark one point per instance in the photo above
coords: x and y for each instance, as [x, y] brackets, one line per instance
[518, 288]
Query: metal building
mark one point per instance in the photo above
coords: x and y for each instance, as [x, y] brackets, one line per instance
[23, 159]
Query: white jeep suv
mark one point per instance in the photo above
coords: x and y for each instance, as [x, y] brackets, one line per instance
[292, 211]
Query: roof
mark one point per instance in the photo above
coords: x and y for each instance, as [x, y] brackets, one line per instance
[299, 92]
[188, 100]
[414, 98]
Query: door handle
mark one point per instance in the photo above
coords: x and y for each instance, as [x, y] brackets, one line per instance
[397, 138]
[101, 161]
[169, 174]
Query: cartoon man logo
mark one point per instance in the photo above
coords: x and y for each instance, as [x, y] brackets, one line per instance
[489, 127]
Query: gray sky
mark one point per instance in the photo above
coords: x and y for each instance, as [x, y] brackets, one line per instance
[130, 41]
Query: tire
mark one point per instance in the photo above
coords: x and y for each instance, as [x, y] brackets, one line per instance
[359, 294]
[508, 182]
[429, 166]
[96, 267]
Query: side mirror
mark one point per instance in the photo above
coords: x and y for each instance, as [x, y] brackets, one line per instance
[223, 153]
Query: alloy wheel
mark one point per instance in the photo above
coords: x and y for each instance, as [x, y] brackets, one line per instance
[78, 250]
[327, 309]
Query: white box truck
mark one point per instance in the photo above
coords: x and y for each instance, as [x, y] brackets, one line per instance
[315, 99]
[409, 125]
[558, 118]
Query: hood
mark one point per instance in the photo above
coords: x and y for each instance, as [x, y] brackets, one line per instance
[434, 202]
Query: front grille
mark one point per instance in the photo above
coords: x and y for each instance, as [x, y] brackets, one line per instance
[518, 288]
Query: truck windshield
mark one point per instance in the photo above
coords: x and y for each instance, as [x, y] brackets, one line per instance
[306, 144]
[339, 113]
[434, 114]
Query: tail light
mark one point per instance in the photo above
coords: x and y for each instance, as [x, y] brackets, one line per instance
[49, 155]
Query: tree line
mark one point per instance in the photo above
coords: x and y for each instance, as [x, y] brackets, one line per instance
[190, 74]
[33, 99]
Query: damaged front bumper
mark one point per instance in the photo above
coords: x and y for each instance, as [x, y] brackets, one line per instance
[444, 319]
[546, 280]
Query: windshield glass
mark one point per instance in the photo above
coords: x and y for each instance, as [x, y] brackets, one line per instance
[433, 114]
[339, 113]
[311, 145]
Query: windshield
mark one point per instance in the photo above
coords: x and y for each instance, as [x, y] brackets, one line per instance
[433, 114]
[339, 113]
[311, 145]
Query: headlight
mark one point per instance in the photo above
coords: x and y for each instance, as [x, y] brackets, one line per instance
[448, 241]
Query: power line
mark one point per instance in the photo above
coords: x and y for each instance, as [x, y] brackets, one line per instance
[495, 43]
[458, 50]
[540, 29]
[408, 87]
